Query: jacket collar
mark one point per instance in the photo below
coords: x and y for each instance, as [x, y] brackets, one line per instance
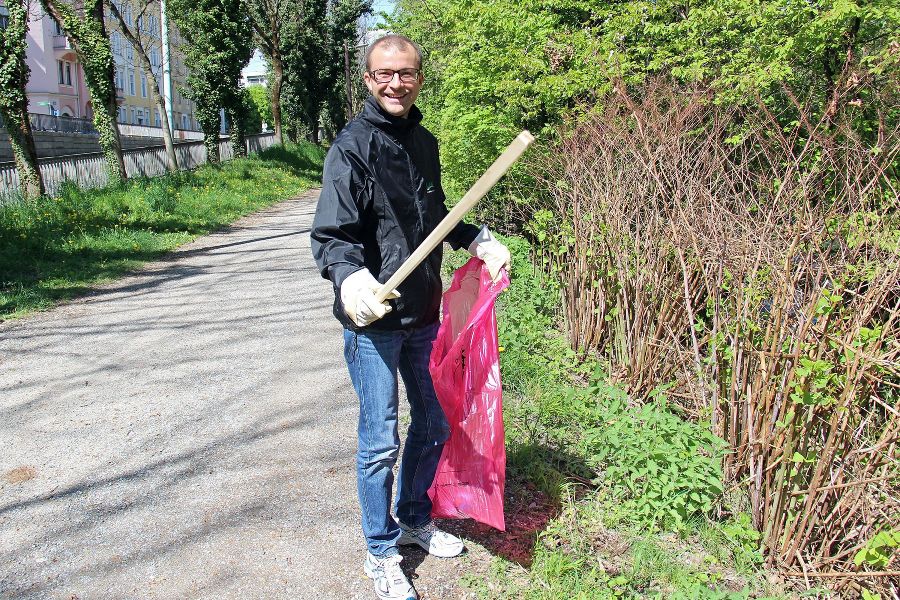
[395, 126]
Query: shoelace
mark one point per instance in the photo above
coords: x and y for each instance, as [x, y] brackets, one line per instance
[428, 528]
[392, 571]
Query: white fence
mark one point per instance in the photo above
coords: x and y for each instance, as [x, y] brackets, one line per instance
[88, 170]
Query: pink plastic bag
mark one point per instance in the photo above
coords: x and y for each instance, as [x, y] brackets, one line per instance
[465, 367]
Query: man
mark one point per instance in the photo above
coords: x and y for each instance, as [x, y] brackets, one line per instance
[381, 197]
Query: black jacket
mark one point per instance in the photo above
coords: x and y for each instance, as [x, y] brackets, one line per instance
[381, 197]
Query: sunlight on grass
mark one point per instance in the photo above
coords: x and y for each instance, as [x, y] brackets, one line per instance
[52, 249]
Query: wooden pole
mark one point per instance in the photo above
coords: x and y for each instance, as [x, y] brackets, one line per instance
[348, 85]
[475, 193]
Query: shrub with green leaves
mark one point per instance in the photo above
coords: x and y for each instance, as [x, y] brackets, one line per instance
[879, 551]
[666, 470]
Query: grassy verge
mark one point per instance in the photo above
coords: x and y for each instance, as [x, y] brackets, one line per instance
[52, 249]
[633, 493]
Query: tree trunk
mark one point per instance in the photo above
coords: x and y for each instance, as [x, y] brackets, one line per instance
[313, 129]
[290, 132]
[348, 83]
[168, 142]
[31, 184]
[14, 103]
[277, 82]
[211, 143]
[104, 93]
[91, 42]
[141, 52]
[235, 114]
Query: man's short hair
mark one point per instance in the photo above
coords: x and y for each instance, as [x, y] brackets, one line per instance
[397, 42]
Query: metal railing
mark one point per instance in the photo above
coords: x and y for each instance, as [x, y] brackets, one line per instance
[61, 124]
[61, 42]
[89, 171]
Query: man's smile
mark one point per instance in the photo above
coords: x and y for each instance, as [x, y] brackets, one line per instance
[395, 95]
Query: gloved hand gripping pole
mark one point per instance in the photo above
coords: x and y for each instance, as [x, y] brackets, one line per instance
[475, 193]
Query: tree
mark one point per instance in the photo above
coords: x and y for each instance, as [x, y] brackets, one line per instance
[274, 22]
[343, 34]
[254, 109]
[237, 114]
[86, 29]
[315, 61]
[143, 40]
[218, 46]
[497, 66]
[305, 65]
[259, 96]
[14, 74]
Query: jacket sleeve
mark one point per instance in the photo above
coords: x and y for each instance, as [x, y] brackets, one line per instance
[336, 236]
[462, 235]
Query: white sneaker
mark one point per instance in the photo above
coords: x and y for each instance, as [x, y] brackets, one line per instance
[390, 581]
[431, 539]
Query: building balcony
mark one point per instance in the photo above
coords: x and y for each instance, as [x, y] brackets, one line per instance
[61, 42]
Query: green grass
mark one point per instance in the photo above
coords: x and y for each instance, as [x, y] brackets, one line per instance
[52, 249]
[633, 485]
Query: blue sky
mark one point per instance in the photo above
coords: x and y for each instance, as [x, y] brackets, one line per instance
[382, 6]
[385, 5]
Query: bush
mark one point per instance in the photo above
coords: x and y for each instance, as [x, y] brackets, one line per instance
[752, 269]
[666, 470]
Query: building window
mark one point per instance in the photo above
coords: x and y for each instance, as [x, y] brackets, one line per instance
[64, 71]
[4, 17]
[154, 57]
[156, 120]
[129, 51]
[143, 84]
[120, 79]
[184, 122]
[57, 28]
[133, 117]
[131, 82]
[140, 116]
[123, 114]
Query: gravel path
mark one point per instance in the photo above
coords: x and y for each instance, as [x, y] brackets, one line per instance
[188, 432]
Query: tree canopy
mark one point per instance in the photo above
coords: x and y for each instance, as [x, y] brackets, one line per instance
[218, 46]
[494, 67]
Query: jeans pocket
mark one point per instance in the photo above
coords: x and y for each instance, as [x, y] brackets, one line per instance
[351, 346]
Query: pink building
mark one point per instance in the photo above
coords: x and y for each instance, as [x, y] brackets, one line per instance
[56, 85]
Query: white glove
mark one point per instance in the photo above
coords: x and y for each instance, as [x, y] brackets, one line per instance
[358, 297]
[494, 254]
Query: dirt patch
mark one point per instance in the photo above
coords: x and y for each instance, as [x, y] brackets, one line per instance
[528, 511]
[20, 474]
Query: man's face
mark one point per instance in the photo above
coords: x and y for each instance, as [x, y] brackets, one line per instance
[395, 97]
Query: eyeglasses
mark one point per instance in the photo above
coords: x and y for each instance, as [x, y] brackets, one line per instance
[386, 75]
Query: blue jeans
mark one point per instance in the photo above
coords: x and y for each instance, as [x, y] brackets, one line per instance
[373, 359]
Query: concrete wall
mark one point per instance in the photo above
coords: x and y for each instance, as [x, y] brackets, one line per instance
[62, 144]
